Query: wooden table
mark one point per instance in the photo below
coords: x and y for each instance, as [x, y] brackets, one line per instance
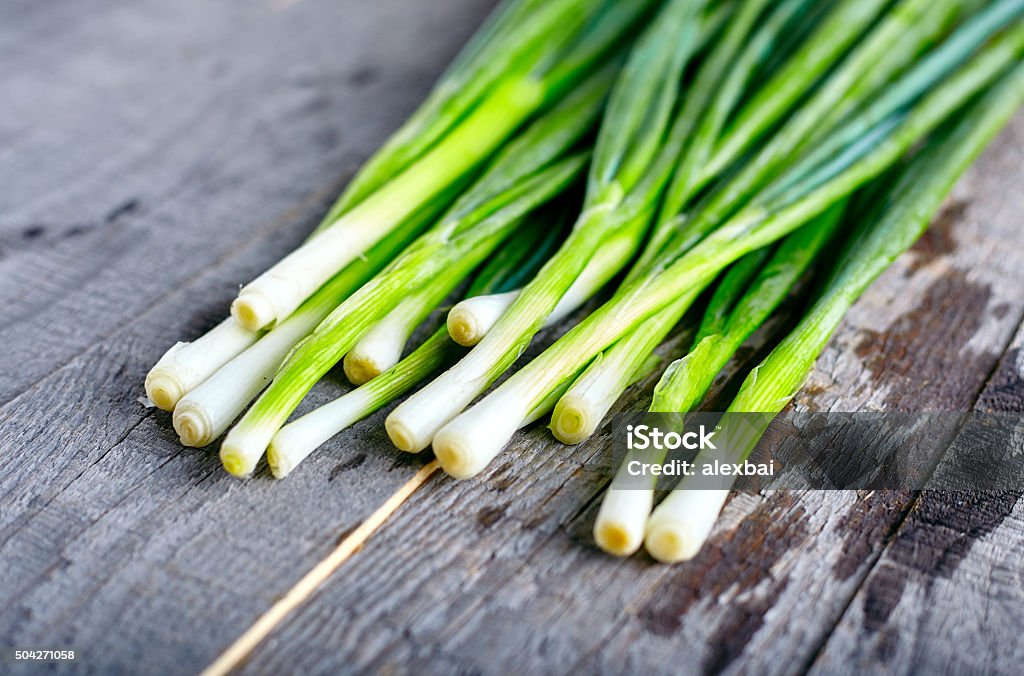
[154, 155]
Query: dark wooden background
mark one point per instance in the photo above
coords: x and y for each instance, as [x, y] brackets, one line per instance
[154, 155]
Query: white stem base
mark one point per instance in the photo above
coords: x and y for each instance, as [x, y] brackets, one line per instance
[576, 418]
[297, 440]
[471, 320]
[205, 413]
[682, 523]
[195, 425]
[414, 423]
[378, 350]
[187, 365]
[467, 444]
[619, 528]
[243, 447]
[278, 292]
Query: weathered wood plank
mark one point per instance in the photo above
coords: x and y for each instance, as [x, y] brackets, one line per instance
[114, 539]
[159, 139]
[945, 595]
[495, 574]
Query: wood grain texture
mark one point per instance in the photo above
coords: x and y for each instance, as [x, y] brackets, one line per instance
[499, 574]
[202, 140]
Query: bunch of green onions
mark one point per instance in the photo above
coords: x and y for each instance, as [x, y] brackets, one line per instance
[716, 145]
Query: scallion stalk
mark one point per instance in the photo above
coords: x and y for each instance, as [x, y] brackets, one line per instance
[875, 62]
[466, 241]
[206, 411]
[497, 51]
[274, 295]
[381, 347]
[679, 526]
[294, 442]
[707, 106]
[587, 402]
[718, 88]
[734, 316]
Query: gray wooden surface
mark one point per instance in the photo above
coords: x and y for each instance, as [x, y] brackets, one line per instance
[154, 155]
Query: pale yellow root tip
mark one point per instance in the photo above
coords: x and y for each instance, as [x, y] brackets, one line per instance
[454, 459]
[165, 391]
[463, 329]
[615, 539]
[234, 465]
[400, 436]
[570, 424]
[192, 427]
[277, 468]
[359, 371]
[670, 545]
[253, 311]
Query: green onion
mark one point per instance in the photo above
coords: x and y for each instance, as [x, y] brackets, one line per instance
[712, 100]
[682, 522]
[586, 403]
[708, 106]
[490, 97]
[729, 322]
[526, 174]
[515, 262]
[275, 294]
[469, 442]
[381, 347]
[557, 41]
[840, 29]
[631, 165]
[465, 242]
[929, 70]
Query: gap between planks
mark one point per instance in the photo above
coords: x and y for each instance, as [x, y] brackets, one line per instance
[311, 581]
